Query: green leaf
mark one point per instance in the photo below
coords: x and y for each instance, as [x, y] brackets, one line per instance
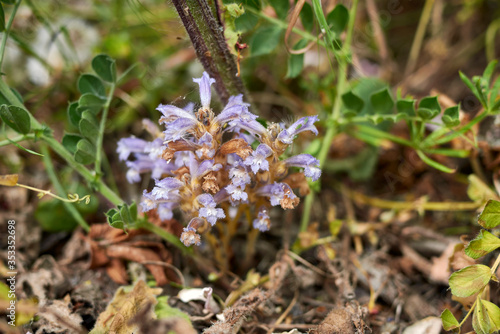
[353, 103]
[2, 18]
[483, 244]
[74, 114]
[123, 217]
[406, 107]
[8, 2]
[450, 117]
[337, 19]
[85, 152]
[281, 8]
[248, 20]
[70, 140]
[88, 83]
[91, 103]
[468, 83]
[382, 101]
[296, 62]
[430, 107]
[494, 315]
[307, 17]
[265, 40]
[16, 118]
[490, 217]
[488, 72]
[469, 280]
[480, 318]
[89, 126]
[449, 320]
[105, 67]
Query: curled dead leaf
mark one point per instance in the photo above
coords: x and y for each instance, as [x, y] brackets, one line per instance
[238, 146]
[9, 180]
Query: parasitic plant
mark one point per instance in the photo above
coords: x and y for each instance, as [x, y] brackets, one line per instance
[203, 160]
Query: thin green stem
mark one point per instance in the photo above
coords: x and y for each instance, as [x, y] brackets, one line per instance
[17, 139]
[55, 181]
[463, 130]
[333, 128]
[495, 265]
[102, 127]
[7, 31]
[167, 236]
[468, 313]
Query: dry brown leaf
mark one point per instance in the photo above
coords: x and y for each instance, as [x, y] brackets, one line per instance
[238, 146]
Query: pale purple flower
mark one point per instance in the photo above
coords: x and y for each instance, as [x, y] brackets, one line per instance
[209, 211]
[237, 193]
[250, 125]
[277, 192]
[144, 164]
[199, 170]
[167, 189]
[171, 113]
[155, 148]
[239, 176]
[165, 210]
[235, 109]
[303, 124]
[126, 146]
[205, 93]
[258, 160]
[148, 202]
[262, 222]
[179, 128]
[306, 161]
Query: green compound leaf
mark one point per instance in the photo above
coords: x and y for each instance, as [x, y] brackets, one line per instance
[307, 17]
[469, 280]
[449, 320]
[74, 114]
[88, 83]
[450, 117]
[85, 152]
[281, 8]
[494, 315]
[18, 119]
[382, 101]
[429, 107]
[480, 318]
[490, 217]
[406, 107]
[89, 126]
[265, 40]
[296, 62]
[70, 140]
[91, 103]
[123, 217]
[483, 244]
[105, 67]
[488, 72]
[337, 19]
[353, 104]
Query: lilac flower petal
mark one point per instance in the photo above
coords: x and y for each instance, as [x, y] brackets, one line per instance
[167, 189]
[313, 172]
[206, 166]
[171, 113]
[155, 148]
[206, 146]
[277, 192]
[165, 210]
[133, 176]
[258, 160]
[130, 145]
[239, 176]
[205, 93]
[189, 108]
[263, 222]
[303, 124]
[178, 128]
[306, 161]
[206, 200]
[237, 193]
[148, 202]
[252, 126]
[212, 214]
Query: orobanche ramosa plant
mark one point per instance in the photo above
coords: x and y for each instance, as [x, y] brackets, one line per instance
[475, 280]
[204, 163]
